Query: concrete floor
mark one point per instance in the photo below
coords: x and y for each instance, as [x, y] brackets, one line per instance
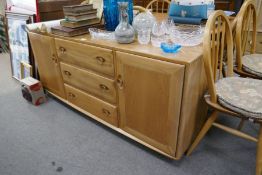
[55, 139]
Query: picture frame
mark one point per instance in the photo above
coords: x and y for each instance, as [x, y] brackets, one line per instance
[18, 41]
[98, 4]
[25, 70]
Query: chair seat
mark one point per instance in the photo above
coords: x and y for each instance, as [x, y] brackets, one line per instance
[253, 64]
[241, 95]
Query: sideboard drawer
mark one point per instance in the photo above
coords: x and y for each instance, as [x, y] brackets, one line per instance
[93, 105]
[88, 81]
[91, 57]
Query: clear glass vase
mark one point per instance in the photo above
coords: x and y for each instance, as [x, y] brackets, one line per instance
[124, 32]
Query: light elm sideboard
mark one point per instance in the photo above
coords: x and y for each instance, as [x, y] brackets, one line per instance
[153, 98]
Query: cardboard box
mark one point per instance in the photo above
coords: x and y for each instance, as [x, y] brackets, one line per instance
[32, 91]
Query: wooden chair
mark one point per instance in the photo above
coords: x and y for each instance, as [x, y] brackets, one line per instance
[158, 6]
[225, 94]
[247, 65]
[139, 8]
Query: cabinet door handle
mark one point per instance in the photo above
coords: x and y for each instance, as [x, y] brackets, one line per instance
[103, 87]
[106, 112]
[100, 60]
[67, 73]
[120, 82]
[54, 59]
[62, 49]
[71, 95]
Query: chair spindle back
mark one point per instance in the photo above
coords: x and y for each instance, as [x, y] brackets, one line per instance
[158, 6]
[217, 39]
[245, 17]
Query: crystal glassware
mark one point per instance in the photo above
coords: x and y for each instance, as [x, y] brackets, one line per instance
[158, 29]
[157, 40]
[168, 25]
[187, 35]
[160, 32]
[124, 32]
[143, 36]
[144, 20]
[101, 34]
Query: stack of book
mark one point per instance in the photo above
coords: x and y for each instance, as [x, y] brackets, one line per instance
[78, 18]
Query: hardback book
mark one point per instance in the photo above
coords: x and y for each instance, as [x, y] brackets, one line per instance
[77, 18]
[80, 13]
[64, 31]
[78, 8]
[71, 24]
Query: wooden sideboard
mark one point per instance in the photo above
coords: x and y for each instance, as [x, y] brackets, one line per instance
[153, 98]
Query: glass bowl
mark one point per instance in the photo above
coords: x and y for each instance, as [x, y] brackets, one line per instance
[101, 34]
[187, 35]
[170, 47]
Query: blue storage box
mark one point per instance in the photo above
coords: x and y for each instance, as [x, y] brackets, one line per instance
[190, 12]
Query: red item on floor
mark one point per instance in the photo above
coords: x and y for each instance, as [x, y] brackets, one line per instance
[32, 91]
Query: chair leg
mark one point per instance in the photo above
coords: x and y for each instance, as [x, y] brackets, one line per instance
[241, 124]
[224, 72]
[259, 153]
[203, 132]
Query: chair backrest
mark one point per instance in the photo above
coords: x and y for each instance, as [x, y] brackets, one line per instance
[139, 8]
[246, 20]
[158, 6]
[217, 39]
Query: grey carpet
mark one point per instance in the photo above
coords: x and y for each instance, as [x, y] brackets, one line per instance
[55, 139]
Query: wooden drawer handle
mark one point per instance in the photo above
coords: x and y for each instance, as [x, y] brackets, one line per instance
[71, 95]
[106, 112]
[100, 60]
[67, 73]
[62, 49]
[120, 82]
[103, 87]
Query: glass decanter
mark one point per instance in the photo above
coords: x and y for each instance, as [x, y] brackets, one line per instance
[124, 32]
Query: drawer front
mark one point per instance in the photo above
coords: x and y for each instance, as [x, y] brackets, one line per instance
[101, 87]
[93, 105]
[91, 57]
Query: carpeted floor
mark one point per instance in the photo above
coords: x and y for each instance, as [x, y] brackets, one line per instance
[54, 139]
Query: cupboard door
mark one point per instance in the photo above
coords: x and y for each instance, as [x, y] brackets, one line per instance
[150, 93]
[47, 63]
